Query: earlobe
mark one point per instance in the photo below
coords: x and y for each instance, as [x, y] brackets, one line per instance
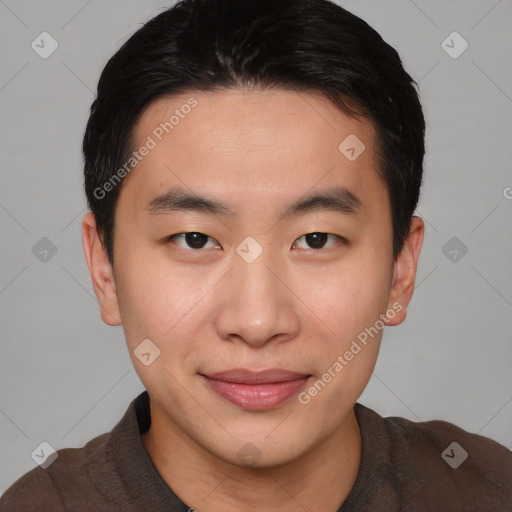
[101, 272]
[404, 272]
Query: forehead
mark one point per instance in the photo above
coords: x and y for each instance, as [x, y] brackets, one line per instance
[273, 143]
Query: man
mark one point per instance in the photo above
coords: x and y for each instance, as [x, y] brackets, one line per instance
[252, 170]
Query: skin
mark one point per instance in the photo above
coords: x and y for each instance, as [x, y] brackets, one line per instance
[295, 307]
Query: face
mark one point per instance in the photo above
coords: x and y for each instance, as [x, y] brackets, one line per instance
[286, 263]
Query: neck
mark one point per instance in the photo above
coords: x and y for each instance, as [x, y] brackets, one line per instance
[320, 480]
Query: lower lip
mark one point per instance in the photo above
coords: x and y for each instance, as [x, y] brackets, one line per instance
[256, 397]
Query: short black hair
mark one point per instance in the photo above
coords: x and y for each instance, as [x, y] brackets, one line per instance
[302, 45]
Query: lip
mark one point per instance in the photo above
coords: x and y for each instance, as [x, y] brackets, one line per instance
[256, 390]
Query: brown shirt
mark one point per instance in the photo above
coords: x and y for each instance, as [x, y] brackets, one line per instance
[405, 466]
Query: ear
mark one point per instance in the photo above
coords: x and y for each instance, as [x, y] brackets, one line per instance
[101, 271]
[404, 272]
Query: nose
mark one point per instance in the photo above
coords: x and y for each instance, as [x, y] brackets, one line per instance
[258, 304]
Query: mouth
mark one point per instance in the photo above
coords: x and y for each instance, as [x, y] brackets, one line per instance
[256, 390]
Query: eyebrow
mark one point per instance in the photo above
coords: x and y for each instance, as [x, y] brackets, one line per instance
[338, 199]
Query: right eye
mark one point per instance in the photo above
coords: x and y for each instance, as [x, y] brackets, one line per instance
[193, 239]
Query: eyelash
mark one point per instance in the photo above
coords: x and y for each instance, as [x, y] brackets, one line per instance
[340, 239]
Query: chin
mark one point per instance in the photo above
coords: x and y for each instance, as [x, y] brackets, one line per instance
[260, 452]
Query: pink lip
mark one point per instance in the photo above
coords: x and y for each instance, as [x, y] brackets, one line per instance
[256, 390]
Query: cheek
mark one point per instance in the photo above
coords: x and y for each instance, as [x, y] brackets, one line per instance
[152, 297]
[155, 304]
[166, 304]
[347, 299]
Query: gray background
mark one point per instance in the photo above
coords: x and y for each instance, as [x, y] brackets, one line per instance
[65, 377]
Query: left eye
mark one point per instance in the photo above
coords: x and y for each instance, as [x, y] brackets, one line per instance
[317, 240]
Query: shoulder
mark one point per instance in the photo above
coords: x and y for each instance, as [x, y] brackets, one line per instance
[42, 489]
[454, 448]
[440, 463]
[33, 491]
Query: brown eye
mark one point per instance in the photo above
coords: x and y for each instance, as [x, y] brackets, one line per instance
[193, 240]
[317, 240]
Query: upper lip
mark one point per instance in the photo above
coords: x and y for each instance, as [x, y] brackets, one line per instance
[245, 376]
